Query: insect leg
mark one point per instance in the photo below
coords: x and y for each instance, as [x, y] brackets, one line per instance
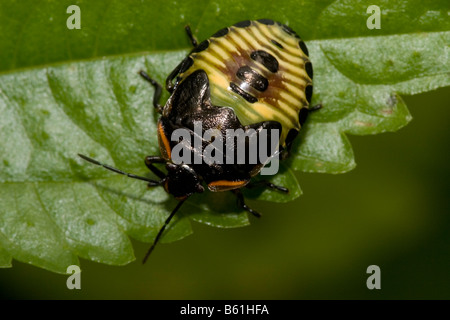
[158, 91]
[183, 64]
[191, 36]
[267, 184]
[241, 203]
[150, 160]
[316, 107]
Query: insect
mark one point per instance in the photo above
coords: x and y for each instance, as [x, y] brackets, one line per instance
[254, 75]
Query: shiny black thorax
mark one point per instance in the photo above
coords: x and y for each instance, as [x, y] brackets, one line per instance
[191, 102]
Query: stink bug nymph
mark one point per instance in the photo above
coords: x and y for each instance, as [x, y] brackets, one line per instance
[254, 75]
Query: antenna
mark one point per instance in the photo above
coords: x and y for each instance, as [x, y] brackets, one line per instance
[151, 183]
[130, 175]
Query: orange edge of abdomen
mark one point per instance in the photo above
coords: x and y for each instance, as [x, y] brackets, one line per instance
[164, 144]
[226, 185]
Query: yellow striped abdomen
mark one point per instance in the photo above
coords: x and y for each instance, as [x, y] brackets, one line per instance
[260, 69]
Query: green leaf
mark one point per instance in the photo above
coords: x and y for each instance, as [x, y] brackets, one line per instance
[5, 259]
[64, 92]
[360, 89]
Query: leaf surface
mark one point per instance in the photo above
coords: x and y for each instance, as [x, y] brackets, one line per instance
[64, 92]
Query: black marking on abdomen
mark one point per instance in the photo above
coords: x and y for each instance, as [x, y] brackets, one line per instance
[247, 96]
[302, 115]
[253, 78]
[266, 21]
[266, 59]
[221, 33]
[309, 69]
[302, 46]
[289, 31]
[292, 134]
[308, 92]
[243, 24]
[279, 45]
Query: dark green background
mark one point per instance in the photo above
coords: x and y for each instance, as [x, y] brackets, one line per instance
[391, 211]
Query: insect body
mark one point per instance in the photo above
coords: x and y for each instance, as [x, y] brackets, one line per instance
[254, 76]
